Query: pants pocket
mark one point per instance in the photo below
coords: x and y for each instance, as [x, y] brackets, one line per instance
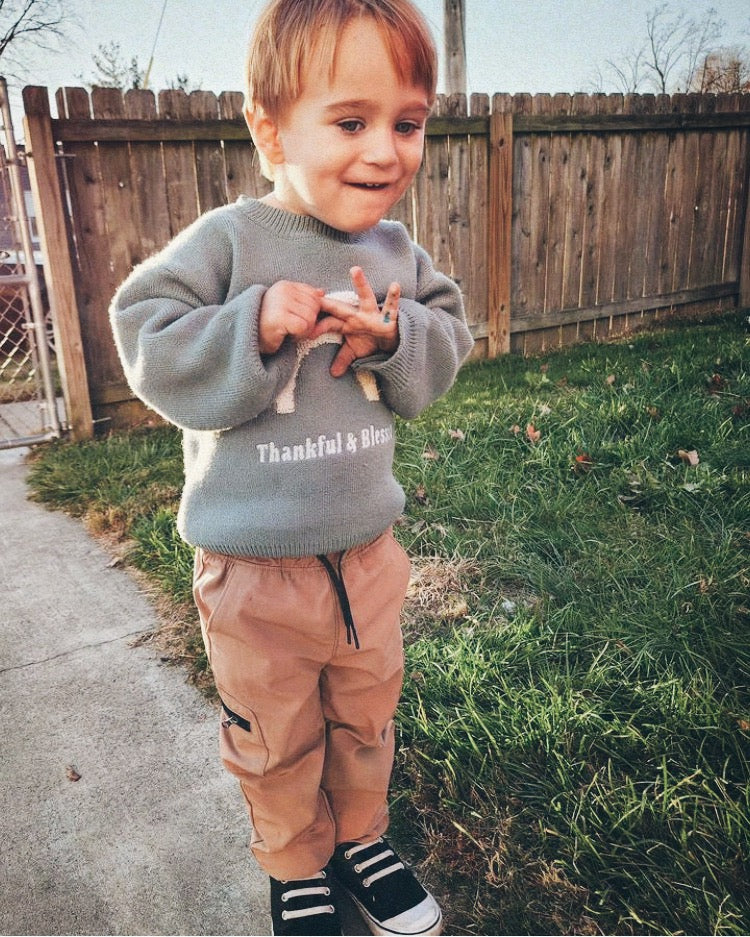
[241, 744]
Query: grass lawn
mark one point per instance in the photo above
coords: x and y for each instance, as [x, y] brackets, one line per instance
[575, 730]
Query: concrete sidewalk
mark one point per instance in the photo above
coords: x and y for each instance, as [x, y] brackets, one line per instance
[153, 837]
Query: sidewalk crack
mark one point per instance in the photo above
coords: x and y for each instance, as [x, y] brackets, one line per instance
[74, 650]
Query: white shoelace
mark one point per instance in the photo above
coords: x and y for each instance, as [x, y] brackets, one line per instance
[306, 892]
[381, 873]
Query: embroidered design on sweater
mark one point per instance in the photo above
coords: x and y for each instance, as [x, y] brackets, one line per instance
[285, 402]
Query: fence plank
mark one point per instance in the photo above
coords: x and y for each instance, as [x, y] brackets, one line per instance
[658, 217]
[179, 166]
[120, 206]
[122, 242]
[456, 189]
[591, 235]
[743, 245]
[433, 228]
[477, 273]
[210, 172]
[96, 280]
[521, 232]
[536, 217]
[499, 230]
[740, 256]
[147, 177]
[40, 148]
[610, 210]
[690, 170]
[575, 222]
[558, 210]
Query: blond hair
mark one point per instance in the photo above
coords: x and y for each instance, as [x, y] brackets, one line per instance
[290, 33]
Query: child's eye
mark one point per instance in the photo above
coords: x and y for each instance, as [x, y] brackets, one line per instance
[350, 126]
[407, 127]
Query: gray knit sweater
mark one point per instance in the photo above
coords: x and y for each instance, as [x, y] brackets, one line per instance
[281, 459]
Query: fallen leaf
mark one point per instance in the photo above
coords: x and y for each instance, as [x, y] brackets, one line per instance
[610, 380]
[744, 725]
[533, 434]
[583, 462]
[689, 457]
[72, 773]
[420, 495]
[457, 434]
[515, 429]
[431, 454]
[544, 410]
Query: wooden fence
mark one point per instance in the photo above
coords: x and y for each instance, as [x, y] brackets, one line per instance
[563, 218]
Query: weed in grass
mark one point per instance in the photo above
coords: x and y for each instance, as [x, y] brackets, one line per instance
[575, 728]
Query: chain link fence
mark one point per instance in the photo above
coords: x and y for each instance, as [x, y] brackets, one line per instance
[28, 397]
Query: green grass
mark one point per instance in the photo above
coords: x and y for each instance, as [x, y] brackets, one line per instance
[575, 729]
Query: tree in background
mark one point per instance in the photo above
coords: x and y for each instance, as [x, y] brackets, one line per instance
[111, 70]
[726, 71]
[25, 23]
[681, 51]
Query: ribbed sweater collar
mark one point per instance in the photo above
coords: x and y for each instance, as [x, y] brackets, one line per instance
[290, 225]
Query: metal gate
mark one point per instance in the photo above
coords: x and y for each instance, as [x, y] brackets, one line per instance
[28, 400]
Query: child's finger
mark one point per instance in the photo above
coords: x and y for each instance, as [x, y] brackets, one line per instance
[344, 357]
[367, 299]
[326, 324]
[390, 306]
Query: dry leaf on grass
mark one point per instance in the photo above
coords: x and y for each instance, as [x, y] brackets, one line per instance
[533, 434]
[688, 456]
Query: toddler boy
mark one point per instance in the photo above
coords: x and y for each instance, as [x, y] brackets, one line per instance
[241, 333]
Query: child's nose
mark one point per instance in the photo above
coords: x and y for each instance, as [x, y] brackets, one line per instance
[381, 148]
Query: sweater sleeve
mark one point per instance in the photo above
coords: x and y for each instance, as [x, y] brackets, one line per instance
[189, 349]
[434, 340]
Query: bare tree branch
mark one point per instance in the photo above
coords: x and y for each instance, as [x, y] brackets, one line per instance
[673, 52]
[26, 23]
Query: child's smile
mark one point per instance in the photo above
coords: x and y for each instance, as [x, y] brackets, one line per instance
[350, 145]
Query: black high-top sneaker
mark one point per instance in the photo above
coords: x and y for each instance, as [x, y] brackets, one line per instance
[304, 906]
[385, 890]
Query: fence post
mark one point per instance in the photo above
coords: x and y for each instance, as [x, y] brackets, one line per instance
[744, 297]
[499, 216]
[40, 152]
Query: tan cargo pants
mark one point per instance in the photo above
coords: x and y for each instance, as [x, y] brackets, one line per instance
[307, 724]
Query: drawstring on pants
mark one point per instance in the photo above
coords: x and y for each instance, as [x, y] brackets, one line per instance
[337, 578]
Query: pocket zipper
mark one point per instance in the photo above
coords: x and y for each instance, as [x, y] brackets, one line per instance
[234, 720]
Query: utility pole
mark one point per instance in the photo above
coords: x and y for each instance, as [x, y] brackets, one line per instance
[454, 23]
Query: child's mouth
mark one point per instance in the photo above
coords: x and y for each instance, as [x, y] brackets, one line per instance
[369, 186]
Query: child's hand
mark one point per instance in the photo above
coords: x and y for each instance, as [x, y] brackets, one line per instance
[366, 328]
[287, 308]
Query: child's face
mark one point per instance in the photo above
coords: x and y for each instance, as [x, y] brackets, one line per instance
[351, 145]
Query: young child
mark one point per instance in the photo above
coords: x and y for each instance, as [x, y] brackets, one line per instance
[285, 386]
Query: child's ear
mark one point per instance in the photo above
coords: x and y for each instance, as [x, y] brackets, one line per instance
[265, 133]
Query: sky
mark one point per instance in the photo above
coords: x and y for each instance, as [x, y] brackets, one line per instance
[512, 45]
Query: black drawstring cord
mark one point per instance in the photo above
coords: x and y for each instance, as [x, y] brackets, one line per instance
[338, 583]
